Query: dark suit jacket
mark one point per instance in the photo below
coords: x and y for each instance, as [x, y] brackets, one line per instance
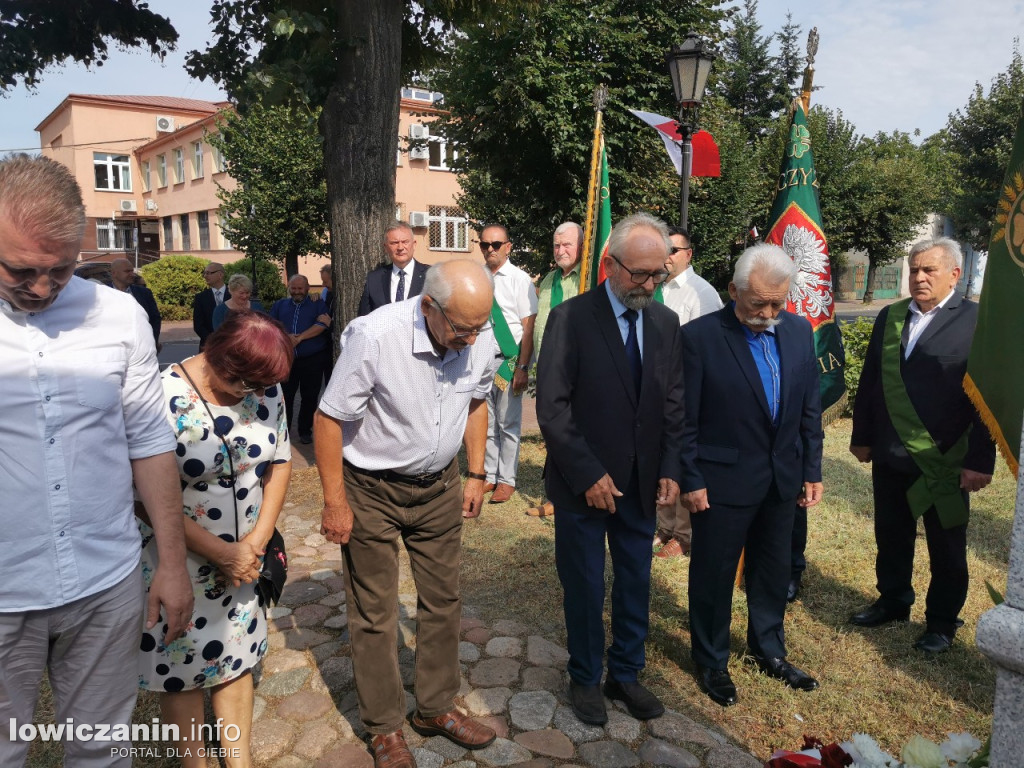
[202, 313]
[145, 298]
[934, 375]
[730, 446]
[592, 420]
[377, 291]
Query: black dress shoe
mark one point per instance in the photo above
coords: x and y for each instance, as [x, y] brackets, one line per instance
[793, 590]
[718, 685]
[875, 615]
[782, 670]
[641, 703]
[588, 703]
[933, 642]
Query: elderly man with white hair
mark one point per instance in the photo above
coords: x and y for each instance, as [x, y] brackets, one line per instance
[752, 446]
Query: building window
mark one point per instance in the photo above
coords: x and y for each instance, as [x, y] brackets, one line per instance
[224, 238]
[449, 229]
[114, 235]
[219, 163]
[203, 224]
[421, 94]
[442, 155]
[161, 169]
[168, 233]
[113, 172]
[145, 176]
[197, 160]
[186, 236]
[179, 165]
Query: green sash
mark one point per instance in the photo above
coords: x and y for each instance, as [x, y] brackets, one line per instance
[939, 483]
[659, 293]
[507, 345]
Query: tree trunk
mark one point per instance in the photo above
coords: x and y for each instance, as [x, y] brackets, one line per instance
[291, 266]
[360, 129]
[869, 281]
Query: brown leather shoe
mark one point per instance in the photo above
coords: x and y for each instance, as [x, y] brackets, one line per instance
[488, 487]
[672, 549]
[391, 751]
[547, 509]
[502, 493]
[457, 727]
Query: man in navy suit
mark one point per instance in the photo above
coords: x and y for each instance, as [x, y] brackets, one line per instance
[399, 280]
[207, 300]
[927, 445]
[751, 448]
[609, 403]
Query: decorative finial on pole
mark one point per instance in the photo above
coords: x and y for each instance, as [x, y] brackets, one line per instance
[812, 50]
[600, 97]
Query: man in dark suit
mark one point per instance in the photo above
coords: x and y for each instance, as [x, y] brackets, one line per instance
[609, 404]
[122, 275]
[399, 280]
[207, 300]
[751, 448]
[928, 447]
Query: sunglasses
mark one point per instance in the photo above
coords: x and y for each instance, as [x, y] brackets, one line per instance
[678, 248]
[640, 276]
[496, 245]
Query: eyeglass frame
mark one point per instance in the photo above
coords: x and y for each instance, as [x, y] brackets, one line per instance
[456, 333]
[248, 387]
[658, 277]
[494, 245]
[678, 248]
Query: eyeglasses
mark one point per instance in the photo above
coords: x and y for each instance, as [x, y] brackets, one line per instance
[640, 276]
[250, 386]
[456, 333]
[214, 272]
[678, 248]
[496, 245]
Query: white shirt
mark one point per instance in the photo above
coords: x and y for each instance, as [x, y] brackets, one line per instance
[395, 272]
[690, 296]
[517, 297]
[404, 407]
[218, 294]
[919, 321]
[82, 398]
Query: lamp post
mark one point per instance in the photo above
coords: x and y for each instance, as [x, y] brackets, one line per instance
[689, 64]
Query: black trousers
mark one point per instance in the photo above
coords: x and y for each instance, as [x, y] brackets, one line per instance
[799, 543]
[895, 535]
[306, 378]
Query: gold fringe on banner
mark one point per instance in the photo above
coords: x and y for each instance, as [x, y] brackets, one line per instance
[990, 421]
[834, 411]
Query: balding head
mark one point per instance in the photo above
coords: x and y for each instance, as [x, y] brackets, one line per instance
[122, 274]
[457, 300]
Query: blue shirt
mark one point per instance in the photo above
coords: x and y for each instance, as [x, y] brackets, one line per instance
[619, 309]
[298, 318]
[765, 350]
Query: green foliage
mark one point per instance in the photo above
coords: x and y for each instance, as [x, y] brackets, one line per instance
[170, 312]
[856, 336]
[268, 285]
[175, 280]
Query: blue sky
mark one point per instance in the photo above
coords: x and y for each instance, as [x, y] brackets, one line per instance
[887, 64]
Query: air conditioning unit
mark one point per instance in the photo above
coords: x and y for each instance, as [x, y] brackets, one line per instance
[419, 153]
[418, 219]
[419, 131]
[164, 124]
[129, 206]
[151, 205]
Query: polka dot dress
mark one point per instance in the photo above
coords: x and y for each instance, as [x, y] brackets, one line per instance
[228, 631]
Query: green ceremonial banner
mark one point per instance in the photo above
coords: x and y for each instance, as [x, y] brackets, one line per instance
[602, 228]
[995, 368]
[796, 227]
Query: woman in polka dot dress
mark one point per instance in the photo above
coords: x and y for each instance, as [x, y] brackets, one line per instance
[234, 460]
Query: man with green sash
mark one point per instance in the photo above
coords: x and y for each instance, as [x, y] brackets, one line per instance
[513, 315]
[928, 447]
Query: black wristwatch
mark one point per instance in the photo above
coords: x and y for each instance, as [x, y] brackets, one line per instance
[476, 475]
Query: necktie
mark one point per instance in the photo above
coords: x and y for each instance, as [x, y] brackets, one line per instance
[218, 294]
[633, 349]
[400, 293]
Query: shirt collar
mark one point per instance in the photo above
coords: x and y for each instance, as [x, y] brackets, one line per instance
[407, 268]
[421, 343]
[617, 306]
[917, 310]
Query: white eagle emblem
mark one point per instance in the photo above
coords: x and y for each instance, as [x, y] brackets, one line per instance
[811, 291]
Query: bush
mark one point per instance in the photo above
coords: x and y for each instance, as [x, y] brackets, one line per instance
[175, 280]
[170, 312]
[856, 336]
[269, 285]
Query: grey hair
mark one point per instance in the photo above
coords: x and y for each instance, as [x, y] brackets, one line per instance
[770, 260]
[565, 226]
[299, 275]
[238, 280]
[438, 286]
[624, 228]
[325, 268]
[41, 198]
[954, 255]
[398, 225]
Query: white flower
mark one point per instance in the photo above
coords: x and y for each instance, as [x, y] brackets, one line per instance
[922, 753]
[869, 754]
[959, 747]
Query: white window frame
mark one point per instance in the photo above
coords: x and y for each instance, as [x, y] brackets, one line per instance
[197, 160]
[443, 149]
[199, 229]
[219, 162]
[179, 165]
[460, 223]
[117, 170]
[113, 235]
[146, 182]
[161, 170]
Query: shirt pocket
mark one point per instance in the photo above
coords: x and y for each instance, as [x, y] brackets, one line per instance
[99, 382]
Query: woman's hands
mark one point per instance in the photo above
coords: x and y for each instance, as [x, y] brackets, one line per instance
[240, 561]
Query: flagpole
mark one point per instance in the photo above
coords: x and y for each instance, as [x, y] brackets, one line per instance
[600, 99]
[812, 50]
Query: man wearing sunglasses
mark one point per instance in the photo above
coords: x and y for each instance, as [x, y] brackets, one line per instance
[513, 315]
[610, 406]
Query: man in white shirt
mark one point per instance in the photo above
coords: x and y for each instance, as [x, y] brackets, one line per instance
[399, 279]
[513, 315]
[84, 420]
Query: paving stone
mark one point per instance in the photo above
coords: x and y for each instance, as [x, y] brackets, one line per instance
[325, 651]
[464, 687]
[299, 592]
[578, 732]
[547, 742]
[314, 540]
[283, 660]
[407, 605]
[278, 612]
[347, 755]
[502, 752]
[544, 653]
[463, 764]
[333, 600]
[679, 729]
[283, 683]
[302, 551]
[259, 706]
[468, 624]
[508, 627]
[305, 706]
[335, 584]
[728, 756]
[543, 679]
[661, 753]
[532, 710]
[311, 615]
[506, 647]
[321, 574]
[335, 675]
[337, 621]
[488, 701]
[272, 738]
[496, 723]
[305, 561]
[297, 573]
[493, 672]
[607, 754]
[275, 640]
[468, 652]
[302, 638]
[622, 727]
[315, 739]
[539, 762]
[426, 759]
[407, 633]
[290, 761]
[478, 635]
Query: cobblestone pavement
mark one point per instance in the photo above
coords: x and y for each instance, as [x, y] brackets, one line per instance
[513, 679]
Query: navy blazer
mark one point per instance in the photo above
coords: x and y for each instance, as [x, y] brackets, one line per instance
[590, 414]
[377, 291]
[202, 313]
[730, 445]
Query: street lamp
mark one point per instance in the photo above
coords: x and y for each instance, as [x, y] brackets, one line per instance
[689, 64]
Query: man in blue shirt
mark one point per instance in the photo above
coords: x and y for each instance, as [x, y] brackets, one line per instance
[303, 319]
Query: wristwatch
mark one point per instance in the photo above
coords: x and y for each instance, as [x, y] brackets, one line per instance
[476, 475]
[523, 367]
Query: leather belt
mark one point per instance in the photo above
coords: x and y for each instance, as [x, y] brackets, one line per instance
[424, 480]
